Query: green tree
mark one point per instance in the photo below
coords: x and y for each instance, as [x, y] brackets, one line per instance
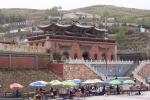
[53, 11]
[120, 34]
[126, 19]
[104, 15]
[145, 22]
[2, 17]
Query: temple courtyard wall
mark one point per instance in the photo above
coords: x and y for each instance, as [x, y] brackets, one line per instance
[10, 60]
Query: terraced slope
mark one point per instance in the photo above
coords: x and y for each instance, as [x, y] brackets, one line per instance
[137, 42]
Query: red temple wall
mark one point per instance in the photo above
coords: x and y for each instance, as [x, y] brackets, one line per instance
[58, 69]
[23, 61]
[4, 61]
[95, 48]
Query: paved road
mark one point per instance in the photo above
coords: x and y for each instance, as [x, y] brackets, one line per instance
[144, 96]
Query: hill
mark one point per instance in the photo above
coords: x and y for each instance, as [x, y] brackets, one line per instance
[31, 13]
[95, 9]
[114, 10]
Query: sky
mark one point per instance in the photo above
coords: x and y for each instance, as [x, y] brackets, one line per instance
[72, 4]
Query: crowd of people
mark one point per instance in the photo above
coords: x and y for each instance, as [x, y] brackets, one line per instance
[87, 90]
[82, 89]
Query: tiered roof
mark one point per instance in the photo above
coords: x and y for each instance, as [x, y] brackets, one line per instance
[71, 32]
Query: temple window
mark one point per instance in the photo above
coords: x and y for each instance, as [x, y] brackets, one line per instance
[56, 56]
[112, 57]
[43, 44]
[103, 56]
[37, 44]
[31, 44]
[95, 56]
[85, 55]
[65, 55]
[75, 56]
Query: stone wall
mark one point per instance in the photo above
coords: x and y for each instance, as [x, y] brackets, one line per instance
[145, 71]
[24, 77]
[78, 71]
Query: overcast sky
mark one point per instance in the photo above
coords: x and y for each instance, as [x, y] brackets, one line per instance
[71, 4]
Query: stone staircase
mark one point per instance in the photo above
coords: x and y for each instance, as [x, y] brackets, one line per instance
[89, 64]
[95, 70]
[129, 72]
[135, 72]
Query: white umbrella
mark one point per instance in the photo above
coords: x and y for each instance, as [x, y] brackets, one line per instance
[97, 81]
[88, 82]
[54, 81]
[38, 84]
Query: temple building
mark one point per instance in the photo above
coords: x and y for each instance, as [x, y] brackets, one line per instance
[74, 41]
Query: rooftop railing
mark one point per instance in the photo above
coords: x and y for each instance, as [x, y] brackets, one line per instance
[82, 61]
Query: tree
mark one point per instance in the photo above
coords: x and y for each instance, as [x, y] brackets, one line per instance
[144, 22]
[120, 35]
[104, 16]
[53, 11]
[2, 17]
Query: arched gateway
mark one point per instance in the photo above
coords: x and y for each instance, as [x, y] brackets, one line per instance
[85, 55]
[65, 55]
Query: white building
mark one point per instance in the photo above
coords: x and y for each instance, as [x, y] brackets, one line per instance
[75, 15]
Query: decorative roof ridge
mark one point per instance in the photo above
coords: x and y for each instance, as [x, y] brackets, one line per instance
[83, 26]
[72, 25]
[63, 25]
[101, 29]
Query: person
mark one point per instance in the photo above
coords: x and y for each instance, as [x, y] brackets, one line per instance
[99, 90]
[140, 87]
[63, 92]
[51, 93]
[17, 94]
[55, 92]
[82, 90]
[118, 89]
[116, 77]
[37, 95]
[104, 90]
[71, 94]
[134, 80]
[149, 86]
[1, 92]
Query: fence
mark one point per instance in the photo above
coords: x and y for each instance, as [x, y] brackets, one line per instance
[81, 61]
